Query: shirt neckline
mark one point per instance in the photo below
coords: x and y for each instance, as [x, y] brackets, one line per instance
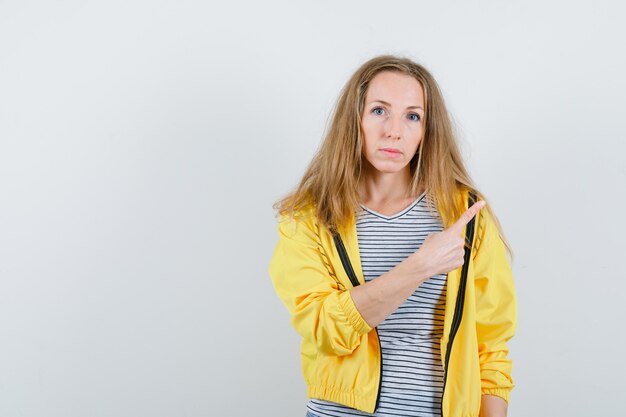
[400, 213]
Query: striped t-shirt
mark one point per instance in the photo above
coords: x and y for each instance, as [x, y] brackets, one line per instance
[412, 377]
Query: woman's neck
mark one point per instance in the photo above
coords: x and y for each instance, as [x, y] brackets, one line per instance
[380, 187]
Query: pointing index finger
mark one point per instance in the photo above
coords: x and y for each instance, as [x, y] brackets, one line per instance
[465, 218]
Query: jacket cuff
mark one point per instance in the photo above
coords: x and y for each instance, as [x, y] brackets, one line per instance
[503, 393]
[354, 317]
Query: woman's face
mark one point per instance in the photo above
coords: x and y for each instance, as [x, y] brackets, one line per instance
[392, 121]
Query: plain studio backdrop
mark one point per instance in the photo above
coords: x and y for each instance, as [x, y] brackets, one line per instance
[143, 143]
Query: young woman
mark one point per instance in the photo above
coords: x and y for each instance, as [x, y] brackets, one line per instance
[398, 283]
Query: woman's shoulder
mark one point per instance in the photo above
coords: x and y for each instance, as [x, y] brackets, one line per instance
[298, 222]
[306, 211]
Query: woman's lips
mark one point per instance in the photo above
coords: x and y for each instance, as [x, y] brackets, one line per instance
[391, 152]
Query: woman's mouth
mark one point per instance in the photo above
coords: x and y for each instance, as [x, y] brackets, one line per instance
[391, 152]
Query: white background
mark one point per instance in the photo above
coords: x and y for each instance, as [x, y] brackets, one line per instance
[142, 144]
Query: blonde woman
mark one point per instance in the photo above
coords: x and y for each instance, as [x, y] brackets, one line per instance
[392, 266]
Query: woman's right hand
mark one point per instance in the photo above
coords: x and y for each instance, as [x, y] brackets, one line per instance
[441, 252]
[444, 251]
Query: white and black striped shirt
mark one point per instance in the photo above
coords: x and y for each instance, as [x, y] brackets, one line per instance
[412, 379]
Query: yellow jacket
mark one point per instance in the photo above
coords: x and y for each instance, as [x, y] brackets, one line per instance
[340, 353]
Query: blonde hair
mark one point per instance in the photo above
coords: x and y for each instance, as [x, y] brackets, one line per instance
[330, 183]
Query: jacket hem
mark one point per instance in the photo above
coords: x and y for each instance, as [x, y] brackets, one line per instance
[347, 398]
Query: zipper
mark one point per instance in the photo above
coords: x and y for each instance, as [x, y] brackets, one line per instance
[345, 260]
[380, 379]
[458, 308]
[347, 266]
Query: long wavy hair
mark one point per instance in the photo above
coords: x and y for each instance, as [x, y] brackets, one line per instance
[331, 181]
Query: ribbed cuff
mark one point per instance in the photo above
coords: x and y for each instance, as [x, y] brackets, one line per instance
[354, 317]
[500, 392]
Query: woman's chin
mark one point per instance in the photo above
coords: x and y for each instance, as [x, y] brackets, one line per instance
[390, 167]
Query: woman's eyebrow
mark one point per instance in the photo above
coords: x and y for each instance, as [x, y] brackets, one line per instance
[387, 104]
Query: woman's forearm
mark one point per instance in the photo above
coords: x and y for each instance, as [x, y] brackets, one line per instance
[492, 406]
[380, 297]
[440, 252]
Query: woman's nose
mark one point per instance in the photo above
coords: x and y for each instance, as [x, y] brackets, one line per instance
[393, 128]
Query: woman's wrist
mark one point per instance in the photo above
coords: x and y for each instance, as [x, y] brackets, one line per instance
[414, 269]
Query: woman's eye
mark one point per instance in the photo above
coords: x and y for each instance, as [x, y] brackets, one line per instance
[375, 109]
[413, 116]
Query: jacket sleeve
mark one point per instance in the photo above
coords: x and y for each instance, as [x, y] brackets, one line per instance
[496, 310]
[322, 310]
